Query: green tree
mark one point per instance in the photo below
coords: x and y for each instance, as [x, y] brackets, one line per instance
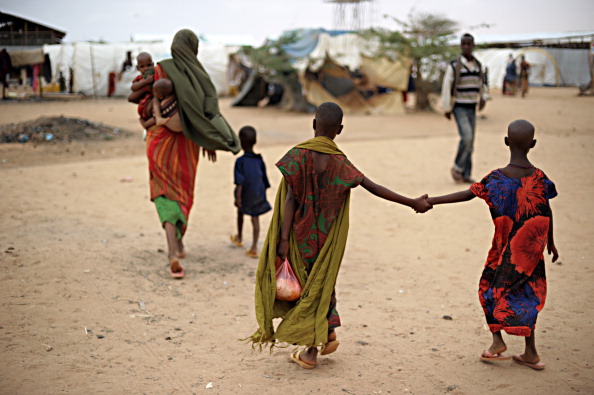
[425, 39]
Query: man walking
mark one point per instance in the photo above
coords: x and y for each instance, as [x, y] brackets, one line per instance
[463, 88]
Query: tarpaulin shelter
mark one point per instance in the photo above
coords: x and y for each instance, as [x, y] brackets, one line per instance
[338, 66]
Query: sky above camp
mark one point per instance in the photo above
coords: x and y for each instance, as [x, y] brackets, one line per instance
[119, 20]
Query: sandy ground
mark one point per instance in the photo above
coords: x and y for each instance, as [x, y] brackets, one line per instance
[87, 305]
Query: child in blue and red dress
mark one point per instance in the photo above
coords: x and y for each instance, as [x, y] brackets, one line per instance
[512, 288]
[251, 183]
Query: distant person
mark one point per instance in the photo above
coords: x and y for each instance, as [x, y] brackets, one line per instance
[524, 72]
[309, 227]
[142, 86]
[251, 183]
[513, 288]
[173, 156]
[462, 89]
[510, 80]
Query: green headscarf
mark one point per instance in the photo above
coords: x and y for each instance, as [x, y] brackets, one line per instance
[197, 97]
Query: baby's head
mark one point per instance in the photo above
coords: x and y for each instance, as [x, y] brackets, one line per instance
[163, 88]
[520, 135]
[144, 62]
[328, 120]
[247, 137]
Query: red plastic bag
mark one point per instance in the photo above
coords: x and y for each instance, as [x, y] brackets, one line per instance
[287, 285]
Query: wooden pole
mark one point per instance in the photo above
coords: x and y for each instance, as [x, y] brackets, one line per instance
[93, 71]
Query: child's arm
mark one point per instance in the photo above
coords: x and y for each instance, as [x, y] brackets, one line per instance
[138, 85]
[157, 113]
[419, 204]
[238, 189]
[456, 197]
[147, 123]
[283, 245]
[551, 242]
[135, 96]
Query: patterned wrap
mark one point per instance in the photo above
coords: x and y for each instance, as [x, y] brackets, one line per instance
[512, 288]
[319, 198]
[173, 161]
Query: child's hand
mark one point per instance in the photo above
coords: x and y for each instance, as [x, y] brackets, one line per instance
[161, 121]
[211, 154]
[238, 203]
[283, 249]
[421, 205]
[150, 79]
[551, 249]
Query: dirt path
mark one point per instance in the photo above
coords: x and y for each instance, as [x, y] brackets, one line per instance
[88, 307]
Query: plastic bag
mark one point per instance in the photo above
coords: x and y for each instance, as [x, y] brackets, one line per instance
[287, 285]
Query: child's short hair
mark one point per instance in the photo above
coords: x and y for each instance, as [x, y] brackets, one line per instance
[164, 86]
[247, 135]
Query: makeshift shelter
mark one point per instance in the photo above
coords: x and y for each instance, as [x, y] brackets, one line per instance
[335, 66]
[87, 66]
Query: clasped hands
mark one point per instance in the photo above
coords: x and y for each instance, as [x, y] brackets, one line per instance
[421, 205]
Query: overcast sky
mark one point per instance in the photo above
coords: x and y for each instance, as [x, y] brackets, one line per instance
[117, 20]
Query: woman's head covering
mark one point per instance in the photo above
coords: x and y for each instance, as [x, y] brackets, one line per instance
[197, 97]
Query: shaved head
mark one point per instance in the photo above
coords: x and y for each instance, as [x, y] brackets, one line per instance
[328, 117]
[520, 134]
[163, 87]
[144, 56]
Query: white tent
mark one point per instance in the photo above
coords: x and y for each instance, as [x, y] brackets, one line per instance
[548, 66]
[92, 63]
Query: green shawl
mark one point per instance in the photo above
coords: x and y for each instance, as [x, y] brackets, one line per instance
[303, 322]
[197, 97]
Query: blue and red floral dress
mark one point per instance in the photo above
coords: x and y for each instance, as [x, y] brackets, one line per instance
[513, 287]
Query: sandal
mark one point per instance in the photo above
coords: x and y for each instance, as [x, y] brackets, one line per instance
[295, 357]
[252, 254]
[236, 241]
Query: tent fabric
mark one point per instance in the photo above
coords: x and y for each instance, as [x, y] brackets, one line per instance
[549, 66]
[384, 72]
[91, 64]
[357, 100]
[342, 68]
[308, 41]
[26, 57]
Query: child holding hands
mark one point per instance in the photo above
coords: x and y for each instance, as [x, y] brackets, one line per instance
[512, 288]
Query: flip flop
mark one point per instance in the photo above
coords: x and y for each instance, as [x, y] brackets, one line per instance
[236, 242]
[252, 254]
[330, 347]
[536, 366]
[295, 358]
[487, 356]
[176, 275]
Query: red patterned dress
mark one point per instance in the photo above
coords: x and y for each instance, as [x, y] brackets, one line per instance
[513, 287]
[319, 198]
[173, 161]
